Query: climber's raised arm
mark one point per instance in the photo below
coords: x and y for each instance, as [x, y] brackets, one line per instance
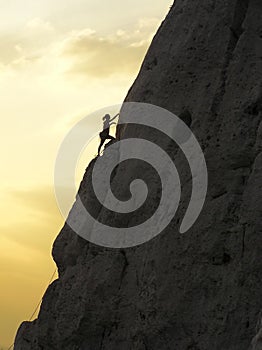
[114, 117]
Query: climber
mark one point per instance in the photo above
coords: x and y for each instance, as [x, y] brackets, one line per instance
[104, 135]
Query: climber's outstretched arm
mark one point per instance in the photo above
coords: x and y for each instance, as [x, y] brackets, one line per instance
[114, 117]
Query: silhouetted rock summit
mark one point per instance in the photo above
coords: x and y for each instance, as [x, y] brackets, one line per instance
[200, 290]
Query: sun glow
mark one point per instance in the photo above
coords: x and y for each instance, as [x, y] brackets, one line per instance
[59, 61]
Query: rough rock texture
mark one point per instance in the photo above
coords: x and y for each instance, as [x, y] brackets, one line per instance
[201, 290]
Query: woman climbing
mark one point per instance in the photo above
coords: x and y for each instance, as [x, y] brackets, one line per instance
[104, 135]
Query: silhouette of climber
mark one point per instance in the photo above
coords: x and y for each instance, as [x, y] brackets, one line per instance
[104, 135]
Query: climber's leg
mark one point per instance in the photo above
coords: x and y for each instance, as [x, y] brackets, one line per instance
[100, 146]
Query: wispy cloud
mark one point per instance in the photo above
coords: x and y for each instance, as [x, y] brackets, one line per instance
[101, 56]
[40, 25]
[83, 52]
[21, 49]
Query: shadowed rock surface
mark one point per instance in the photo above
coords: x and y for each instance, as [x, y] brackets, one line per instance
[197, 291]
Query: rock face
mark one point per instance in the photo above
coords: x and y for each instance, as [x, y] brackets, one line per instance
[201, 290]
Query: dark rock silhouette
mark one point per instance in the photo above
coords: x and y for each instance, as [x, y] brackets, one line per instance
[201, 290]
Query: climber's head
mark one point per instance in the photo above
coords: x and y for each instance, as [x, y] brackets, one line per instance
[106, 117]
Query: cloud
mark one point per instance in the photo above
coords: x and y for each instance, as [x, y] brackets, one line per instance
[85, 52]
[39, 24]
[8, 51]
[100, 56]
[23, 48]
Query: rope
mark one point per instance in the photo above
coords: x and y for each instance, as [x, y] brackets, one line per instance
[40, 301]
[38, 305]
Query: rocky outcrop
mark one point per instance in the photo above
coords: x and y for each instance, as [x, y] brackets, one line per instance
[201, 290]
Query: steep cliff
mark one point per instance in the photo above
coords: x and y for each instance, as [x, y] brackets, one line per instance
[201, 290]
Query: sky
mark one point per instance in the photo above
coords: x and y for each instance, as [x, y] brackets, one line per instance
[59, 61]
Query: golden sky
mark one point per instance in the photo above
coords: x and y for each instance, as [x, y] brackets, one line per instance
[59, 61]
